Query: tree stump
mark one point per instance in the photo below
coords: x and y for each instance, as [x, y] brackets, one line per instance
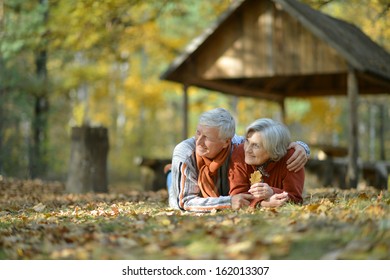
[88, 160]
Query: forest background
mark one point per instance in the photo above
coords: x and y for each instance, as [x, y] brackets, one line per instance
[66, 63]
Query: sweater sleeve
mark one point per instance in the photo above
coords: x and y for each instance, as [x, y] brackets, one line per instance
[185, 193]
[292, 182]
[293, 185]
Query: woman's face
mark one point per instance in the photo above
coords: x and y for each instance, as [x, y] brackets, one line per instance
[255, 154]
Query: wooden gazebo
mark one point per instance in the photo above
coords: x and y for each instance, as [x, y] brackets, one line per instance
[275, 49]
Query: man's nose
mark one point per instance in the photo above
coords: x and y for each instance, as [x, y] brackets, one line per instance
[200, 139]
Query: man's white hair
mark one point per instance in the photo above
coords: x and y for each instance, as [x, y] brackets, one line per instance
[221, 119]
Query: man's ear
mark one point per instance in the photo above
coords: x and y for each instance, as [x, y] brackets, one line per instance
[227, 142]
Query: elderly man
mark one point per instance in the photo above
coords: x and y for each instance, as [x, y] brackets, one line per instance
[200, 165]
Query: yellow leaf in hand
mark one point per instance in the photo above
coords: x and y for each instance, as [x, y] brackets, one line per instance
[255, 177]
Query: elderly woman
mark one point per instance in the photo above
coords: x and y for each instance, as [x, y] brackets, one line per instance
[266, 149]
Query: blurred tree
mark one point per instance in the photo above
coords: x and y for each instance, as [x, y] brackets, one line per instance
[39, 160]
[2, 90]
[24, 71]
[99, 62]
[111, 54]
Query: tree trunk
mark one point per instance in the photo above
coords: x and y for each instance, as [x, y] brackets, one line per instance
[38, 155]
[1, 95]
[2, 115]
[88, 160]
[38, 158]
[1, 133]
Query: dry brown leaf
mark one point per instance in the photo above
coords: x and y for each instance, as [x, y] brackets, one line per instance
[115, 209]
[139, 225]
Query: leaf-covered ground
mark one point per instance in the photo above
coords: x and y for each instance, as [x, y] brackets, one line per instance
[39, 220]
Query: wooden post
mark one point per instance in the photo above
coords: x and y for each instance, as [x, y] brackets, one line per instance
[88, 160]
[353, 148]
[185, 111]
[282, 105]
[382, 132]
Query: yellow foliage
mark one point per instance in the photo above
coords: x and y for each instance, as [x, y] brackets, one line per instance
[125, 45]
[323, 110]
[78, 113]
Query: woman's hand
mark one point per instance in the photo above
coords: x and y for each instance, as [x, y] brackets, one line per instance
[277, 200]
[261, 190]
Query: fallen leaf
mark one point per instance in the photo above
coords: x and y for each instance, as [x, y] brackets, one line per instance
[39, 207]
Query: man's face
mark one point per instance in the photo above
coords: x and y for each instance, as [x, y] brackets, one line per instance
[255, 154]
[208, 143]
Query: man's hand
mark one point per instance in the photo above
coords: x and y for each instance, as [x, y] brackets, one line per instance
[298, 159]
[276, 200]
[261, 190]
[241, 200]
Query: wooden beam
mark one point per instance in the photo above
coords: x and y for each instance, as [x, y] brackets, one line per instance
[353, 147]
[375, 83]
[235, 89]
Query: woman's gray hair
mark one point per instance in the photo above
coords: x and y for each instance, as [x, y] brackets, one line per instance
[276, 136]
[221, 119]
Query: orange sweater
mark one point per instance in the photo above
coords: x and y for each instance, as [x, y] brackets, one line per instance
[280, 179]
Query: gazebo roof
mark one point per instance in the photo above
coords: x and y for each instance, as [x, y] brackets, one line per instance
[274, 49]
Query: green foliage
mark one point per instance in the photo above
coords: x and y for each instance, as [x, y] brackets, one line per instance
[23, 28]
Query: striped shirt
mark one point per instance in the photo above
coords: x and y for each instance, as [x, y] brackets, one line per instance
[185, 193]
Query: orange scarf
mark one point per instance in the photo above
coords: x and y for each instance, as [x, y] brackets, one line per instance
[207, 170]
